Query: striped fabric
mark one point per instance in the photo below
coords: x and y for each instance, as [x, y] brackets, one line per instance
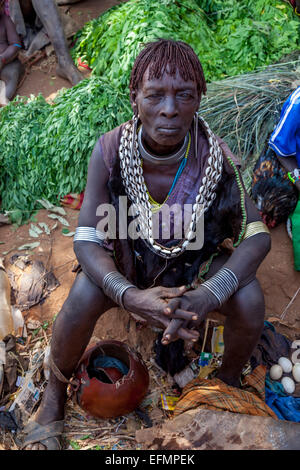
[214, 394]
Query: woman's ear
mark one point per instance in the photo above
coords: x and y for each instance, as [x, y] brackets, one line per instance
[133, 102]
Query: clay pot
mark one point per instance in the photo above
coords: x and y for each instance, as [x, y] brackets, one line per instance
[110, 400]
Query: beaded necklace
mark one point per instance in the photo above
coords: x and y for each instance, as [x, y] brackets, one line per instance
[156, 206]
[134, 184]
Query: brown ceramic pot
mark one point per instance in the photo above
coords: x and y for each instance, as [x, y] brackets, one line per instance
[110, 400]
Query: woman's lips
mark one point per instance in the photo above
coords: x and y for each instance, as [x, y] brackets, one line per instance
[168, 130]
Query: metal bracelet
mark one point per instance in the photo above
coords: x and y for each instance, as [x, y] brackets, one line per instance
[89, 234]
[254, 228]
[223, 285]
[115, 285]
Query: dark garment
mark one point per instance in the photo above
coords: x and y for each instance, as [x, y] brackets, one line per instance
[270, 348]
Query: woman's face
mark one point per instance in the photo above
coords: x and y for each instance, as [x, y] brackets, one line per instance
[166, 107]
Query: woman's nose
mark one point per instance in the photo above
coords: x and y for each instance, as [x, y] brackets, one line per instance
[169, 107]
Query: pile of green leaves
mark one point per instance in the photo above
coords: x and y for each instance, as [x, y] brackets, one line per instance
[44, 149]
[111, 42]
[251, 33]
[230, 37]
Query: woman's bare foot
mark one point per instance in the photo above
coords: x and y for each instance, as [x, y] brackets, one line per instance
[232, 381]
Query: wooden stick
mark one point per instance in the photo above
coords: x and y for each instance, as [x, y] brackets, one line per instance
[289, 304]
[205, 334]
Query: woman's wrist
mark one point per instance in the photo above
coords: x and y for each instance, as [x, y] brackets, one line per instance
[211, 299]
[129, 297]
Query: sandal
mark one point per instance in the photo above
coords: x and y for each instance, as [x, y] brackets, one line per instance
[47, 435]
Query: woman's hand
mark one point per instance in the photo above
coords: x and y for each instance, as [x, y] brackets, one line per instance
[189, 313]
[156, 304]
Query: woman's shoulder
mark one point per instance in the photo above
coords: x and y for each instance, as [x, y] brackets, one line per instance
[109, 144]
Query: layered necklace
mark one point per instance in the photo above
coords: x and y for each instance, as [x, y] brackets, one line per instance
[136, 189]
[180, 156]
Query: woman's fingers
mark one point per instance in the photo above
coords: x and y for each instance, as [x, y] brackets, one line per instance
[172, 305]
[175, 329]
[182, 314]
[170, 292]
[188, 335]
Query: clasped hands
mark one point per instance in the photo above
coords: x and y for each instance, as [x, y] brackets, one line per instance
[175, 309]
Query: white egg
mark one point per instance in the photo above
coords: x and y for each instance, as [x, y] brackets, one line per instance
[286, 364]
[288, 384]
[296, 371]
[276, 372]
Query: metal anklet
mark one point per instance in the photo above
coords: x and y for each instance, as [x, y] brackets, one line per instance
[115, 285]
[223, 285]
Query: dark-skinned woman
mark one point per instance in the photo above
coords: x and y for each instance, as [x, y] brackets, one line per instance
[165, 157]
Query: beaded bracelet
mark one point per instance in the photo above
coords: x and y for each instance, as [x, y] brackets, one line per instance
[294, 175]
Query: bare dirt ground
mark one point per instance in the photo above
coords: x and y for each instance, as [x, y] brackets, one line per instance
[279, 281]
[42, 77]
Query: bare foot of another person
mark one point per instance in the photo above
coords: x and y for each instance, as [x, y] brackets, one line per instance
[3, 100]
[69, 72]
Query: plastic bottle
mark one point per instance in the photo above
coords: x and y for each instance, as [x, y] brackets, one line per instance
[6, 320]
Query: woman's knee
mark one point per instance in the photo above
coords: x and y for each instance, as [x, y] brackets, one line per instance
[85, 300]
[11, 74]
[247, 306]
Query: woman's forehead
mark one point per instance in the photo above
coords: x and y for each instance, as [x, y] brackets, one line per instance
[166, 79]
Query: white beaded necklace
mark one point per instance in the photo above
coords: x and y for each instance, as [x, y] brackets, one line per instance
[135, 187]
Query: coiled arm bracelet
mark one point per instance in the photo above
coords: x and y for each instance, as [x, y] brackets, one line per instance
[222, 285]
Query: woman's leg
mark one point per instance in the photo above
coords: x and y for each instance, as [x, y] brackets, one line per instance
[72, 331]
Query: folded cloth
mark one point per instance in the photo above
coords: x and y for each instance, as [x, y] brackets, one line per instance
[72, 200]
[295, 218]
[287, 408]
[275, 387]
[214, 394]
[270, 347]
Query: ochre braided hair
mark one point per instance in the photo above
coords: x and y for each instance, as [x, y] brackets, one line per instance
[163, 53]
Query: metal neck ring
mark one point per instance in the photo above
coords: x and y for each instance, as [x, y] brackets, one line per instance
[168, 159]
